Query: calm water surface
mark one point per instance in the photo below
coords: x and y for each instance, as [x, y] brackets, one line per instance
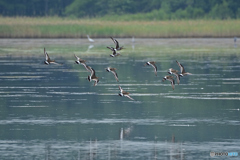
[53, 112]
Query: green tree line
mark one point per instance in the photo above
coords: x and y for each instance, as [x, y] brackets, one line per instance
[129, 9]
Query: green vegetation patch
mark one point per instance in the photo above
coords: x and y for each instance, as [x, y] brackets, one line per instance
[55, 27]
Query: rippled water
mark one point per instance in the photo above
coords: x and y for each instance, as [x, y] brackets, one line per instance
[53, 112]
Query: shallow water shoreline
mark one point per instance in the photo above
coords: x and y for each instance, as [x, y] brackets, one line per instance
[153, 46]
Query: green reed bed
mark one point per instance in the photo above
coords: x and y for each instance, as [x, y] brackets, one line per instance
[55, 27]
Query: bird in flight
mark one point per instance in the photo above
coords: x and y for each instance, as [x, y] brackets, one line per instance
[113, 70]
[152, 63]
[117, 47]
[123, 93]
[175, 72]
[81, 61]
[48, 60]
[183, 72]
[171, 79]
[93, 76]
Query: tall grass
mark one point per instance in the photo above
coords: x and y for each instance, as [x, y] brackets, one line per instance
[55, 27]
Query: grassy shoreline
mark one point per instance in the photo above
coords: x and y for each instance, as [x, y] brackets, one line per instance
[56, 27]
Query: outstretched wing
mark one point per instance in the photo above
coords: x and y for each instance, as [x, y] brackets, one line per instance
[155, 68]
[77, 57]
[172, 83]
[181, 67]
[91, 70]
[117, 44]
[177, 76]
[115, 74]
[96, 82]
[129, 97]
[114, 40]
[87, 67]
[121, 90]
[55, 63]
[111, 48]
[46, 55]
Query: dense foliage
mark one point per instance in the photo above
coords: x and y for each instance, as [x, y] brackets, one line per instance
[33, 7]
[128, 9]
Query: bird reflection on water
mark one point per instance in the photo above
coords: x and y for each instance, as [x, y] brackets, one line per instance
[119, 149]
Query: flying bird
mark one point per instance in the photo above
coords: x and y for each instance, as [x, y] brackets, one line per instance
[93, 76]
[81, 61]
[175, 72]
[117, 48]
[171, 79]
[152, 63]
[113, 70]
[48, 60]
[183, 72]
[123, 93]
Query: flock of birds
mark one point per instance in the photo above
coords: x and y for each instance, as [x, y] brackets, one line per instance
[115, 53]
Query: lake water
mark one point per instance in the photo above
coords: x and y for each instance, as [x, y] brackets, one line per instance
[54, 112]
